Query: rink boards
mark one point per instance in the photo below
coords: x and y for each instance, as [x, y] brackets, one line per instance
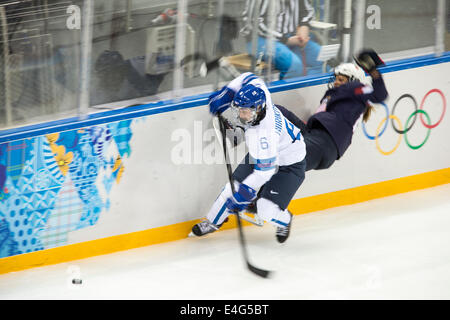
[145, 175]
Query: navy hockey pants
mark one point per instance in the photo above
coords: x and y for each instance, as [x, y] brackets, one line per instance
[321, 150]
[281, 187]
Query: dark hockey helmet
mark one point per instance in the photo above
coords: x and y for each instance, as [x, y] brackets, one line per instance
[251, 101]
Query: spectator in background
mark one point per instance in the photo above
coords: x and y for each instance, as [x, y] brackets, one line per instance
[295, 54]
[116, 79]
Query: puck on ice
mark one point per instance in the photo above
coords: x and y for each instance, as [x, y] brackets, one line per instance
[77, 281]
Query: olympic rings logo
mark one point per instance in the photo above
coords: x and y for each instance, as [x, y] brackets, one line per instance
[411, 120]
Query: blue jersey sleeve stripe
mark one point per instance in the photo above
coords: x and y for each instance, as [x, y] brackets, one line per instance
[264, 168]
[265, 164]
[269, 160]
[253, 160]
[249, 78]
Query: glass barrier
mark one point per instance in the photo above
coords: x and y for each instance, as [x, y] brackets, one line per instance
[60, 58]
[133, 50]
[401, 26]
[273, 39]
[39, 60]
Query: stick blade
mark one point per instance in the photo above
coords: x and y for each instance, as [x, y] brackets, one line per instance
[259, 272]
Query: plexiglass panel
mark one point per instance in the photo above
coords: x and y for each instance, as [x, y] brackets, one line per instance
[64, 58]
[39, 60]
[400, 25]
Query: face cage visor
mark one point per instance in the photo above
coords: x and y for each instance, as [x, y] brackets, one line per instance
[246, 122]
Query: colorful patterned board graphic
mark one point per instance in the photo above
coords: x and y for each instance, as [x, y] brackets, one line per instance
[49, 184]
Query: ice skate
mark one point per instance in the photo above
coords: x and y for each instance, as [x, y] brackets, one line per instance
[250, 214]
[282, 233]
[205, 227]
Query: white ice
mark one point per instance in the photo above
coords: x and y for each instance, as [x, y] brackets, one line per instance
[396, 247]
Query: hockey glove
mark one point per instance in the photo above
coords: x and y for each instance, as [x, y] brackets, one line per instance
[220, 101]
[368, 60]
[241, 199]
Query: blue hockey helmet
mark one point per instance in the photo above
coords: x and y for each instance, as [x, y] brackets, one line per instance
[253, 98]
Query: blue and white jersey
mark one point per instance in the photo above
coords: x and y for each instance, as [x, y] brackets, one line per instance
[275, 141]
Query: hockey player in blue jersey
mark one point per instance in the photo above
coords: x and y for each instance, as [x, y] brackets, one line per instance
[274, 167]
[326, 136]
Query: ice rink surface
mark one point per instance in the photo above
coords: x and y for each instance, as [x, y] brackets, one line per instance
[391, 248]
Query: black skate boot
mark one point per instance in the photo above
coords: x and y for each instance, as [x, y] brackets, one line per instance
[205, 227]
[282, 233]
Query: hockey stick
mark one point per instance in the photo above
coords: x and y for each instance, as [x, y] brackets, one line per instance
[260, 272]
[255, 220]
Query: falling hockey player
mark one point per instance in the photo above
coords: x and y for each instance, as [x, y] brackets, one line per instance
[274, 167]
[328, 133]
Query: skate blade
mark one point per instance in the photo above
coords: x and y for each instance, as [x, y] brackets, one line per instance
[256, 221]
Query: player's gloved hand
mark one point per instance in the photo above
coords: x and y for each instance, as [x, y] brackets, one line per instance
[220, 101]
[241, 199]
[368, 60]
